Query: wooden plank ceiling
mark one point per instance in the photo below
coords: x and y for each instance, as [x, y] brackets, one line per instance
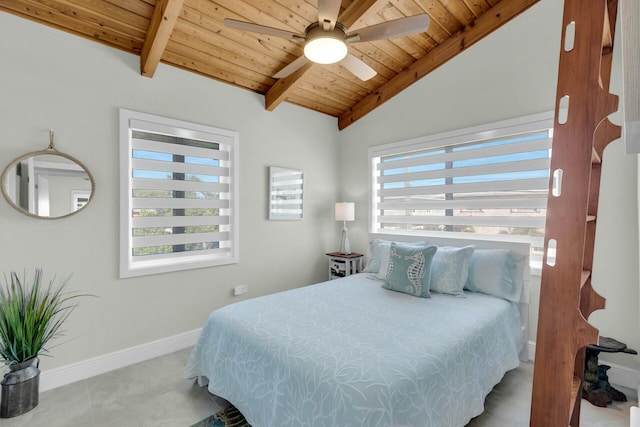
[190, 34]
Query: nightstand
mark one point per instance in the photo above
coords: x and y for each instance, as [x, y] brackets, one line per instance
[342, 265]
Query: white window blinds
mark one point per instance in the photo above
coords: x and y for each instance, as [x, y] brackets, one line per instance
[179, 209]
[489, 180]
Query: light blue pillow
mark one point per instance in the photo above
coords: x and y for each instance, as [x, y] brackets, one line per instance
[376, 249]
[497, 272]
[450, 269]
[409, 269]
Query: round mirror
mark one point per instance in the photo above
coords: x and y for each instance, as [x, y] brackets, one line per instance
[47, 184]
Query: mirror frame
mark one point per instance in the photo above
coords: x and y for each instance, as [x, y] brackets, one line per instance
[52, 152]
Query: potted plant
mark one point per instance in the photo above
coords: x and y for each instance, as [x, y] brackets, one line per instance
[31, 314]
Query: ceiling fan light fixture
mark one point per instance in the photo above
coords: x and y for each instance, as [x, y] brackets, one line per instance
[325, 46]
[325, 50]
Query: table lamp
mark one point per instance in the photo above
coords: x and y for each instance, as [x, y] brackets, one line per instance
[345, 211]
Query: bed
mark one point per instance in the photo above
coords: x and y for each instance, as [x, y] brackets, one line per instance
[349, 352]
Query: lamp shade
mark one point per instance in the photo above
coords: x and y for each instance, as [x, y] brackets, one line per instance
[345, 211]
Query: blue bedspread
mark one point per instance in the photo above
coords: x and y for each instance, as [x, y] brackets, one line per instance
[349, 353]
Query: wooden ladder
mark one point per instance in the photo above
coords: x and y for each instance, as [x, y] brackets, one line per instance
[581, 132]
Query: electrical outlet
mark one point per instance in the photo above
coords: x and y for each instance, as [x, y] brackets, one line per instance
[240, 289]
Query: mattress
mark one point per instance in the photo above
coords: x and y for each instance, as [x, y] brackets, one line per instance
[349, 353]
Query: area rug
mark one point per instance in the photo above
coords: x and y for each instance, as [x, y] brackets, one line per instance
[229, 417]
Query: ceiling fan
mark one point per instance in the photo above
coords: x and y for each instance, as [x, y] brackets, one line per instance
[326, 40]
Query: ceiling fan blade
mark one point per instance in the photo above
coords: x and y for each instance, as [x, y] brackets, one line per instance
[262, 29]
[289, 69]
[357, 67]
[392, 29]
[328, 11]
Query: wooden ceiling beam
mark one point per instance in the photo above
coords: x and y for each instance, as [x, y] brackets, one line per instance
[162, 22]
[281, 88]
[499, 15]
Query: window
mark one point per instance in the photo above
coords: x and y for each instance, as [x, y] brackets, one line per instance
[489, 180]
[179, 208]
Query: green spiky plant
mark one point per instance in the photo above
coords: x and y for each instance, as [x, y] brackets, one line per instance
[31, 314]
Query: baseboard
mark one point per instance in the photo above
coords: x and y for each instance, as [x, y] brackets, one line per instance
[618, 375]
[78, 371]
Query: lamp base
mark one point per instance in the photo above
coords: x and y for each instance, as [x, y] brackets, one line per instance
[345, 247]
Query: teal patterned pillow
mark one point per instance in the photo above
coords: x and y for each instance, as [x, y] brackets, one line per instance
[409, 269]
[450, 269]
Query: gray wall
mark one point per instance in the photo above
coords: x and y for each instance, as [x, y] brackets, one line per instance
[511, 73]
[51, 79]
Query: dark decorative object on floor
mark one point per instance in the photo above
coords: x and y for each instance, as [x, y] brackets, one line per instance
[595, 385]
[20, 388]
[228, 417]
[32, 313]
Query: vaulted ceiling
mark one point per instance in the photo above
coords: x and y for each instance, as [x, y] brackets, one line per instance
[190, 34]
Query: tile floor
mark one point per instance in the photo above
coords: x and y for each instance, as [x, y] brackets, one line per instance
[153, 394]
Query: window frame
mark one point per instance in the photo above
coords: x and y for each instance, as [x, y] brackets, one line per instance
[185, 261]
[494, 130]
